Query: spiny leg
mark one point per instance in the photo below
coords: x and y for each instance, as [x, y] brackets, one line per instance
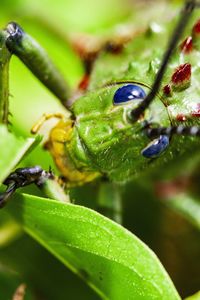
[45, 180]
[35, 58]
[185, 16]
[22, 177]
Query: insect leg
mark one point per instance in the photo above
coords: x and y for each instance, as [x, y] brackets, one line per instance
[22, 177]
[36, 59]
[185, 15]
[43, 119]
[7, 194]
[45, 180]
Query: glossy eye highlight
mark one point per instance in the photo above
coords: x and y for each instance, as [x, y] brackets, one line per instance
[128, 93]
[156, 147]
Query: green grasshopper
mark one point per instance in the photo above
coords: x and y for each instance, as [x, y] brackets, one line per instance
[124, 123]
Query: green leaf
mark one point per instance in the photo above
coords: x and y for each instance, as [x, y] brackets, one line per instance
[30, 261]
[194, 297]
[9, 231]
[108, 257]
[12, 150]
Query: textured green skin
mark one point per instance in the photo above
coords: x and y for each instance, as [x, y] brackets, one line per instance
[112, 145]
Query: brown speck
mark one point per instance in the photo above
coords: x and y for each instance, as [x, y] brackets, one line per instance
[115, 48]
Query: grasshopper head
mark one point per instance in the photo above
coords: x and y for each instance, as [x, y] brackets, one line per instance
[112, 141]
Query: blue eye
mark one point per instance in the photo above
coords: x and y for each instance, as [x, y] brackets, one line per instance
[156, 147]
[127, 93]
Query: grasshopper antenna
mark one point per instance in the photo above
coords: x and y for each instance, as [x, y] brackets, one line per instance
[161, 135]
[177, 130]
[185, 15]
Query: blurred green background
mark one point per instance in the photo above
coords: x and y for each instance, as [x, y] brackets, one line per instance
[174, 240]
[51, 23]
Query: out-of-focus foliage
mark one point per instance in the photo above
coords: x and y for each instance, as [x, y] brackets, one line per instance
[53, 23]
[97, 249]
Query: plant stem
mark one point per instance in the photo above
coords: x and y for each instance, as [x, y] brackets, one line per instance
[109, 201]
[53, 190]
[5, 56]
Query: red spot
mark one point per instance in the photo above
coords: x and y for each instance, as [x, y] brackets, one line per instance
[196, 28]
[181, 118]
[187, 45]
[196, 112]
[182, 74]
[83, 85]
[167, 90]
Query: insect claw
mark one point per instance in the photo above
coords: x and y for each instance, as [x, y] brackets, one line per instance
[7, 194]
[50, 173]
[22, 177]
[15, 34]
[43, 177]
